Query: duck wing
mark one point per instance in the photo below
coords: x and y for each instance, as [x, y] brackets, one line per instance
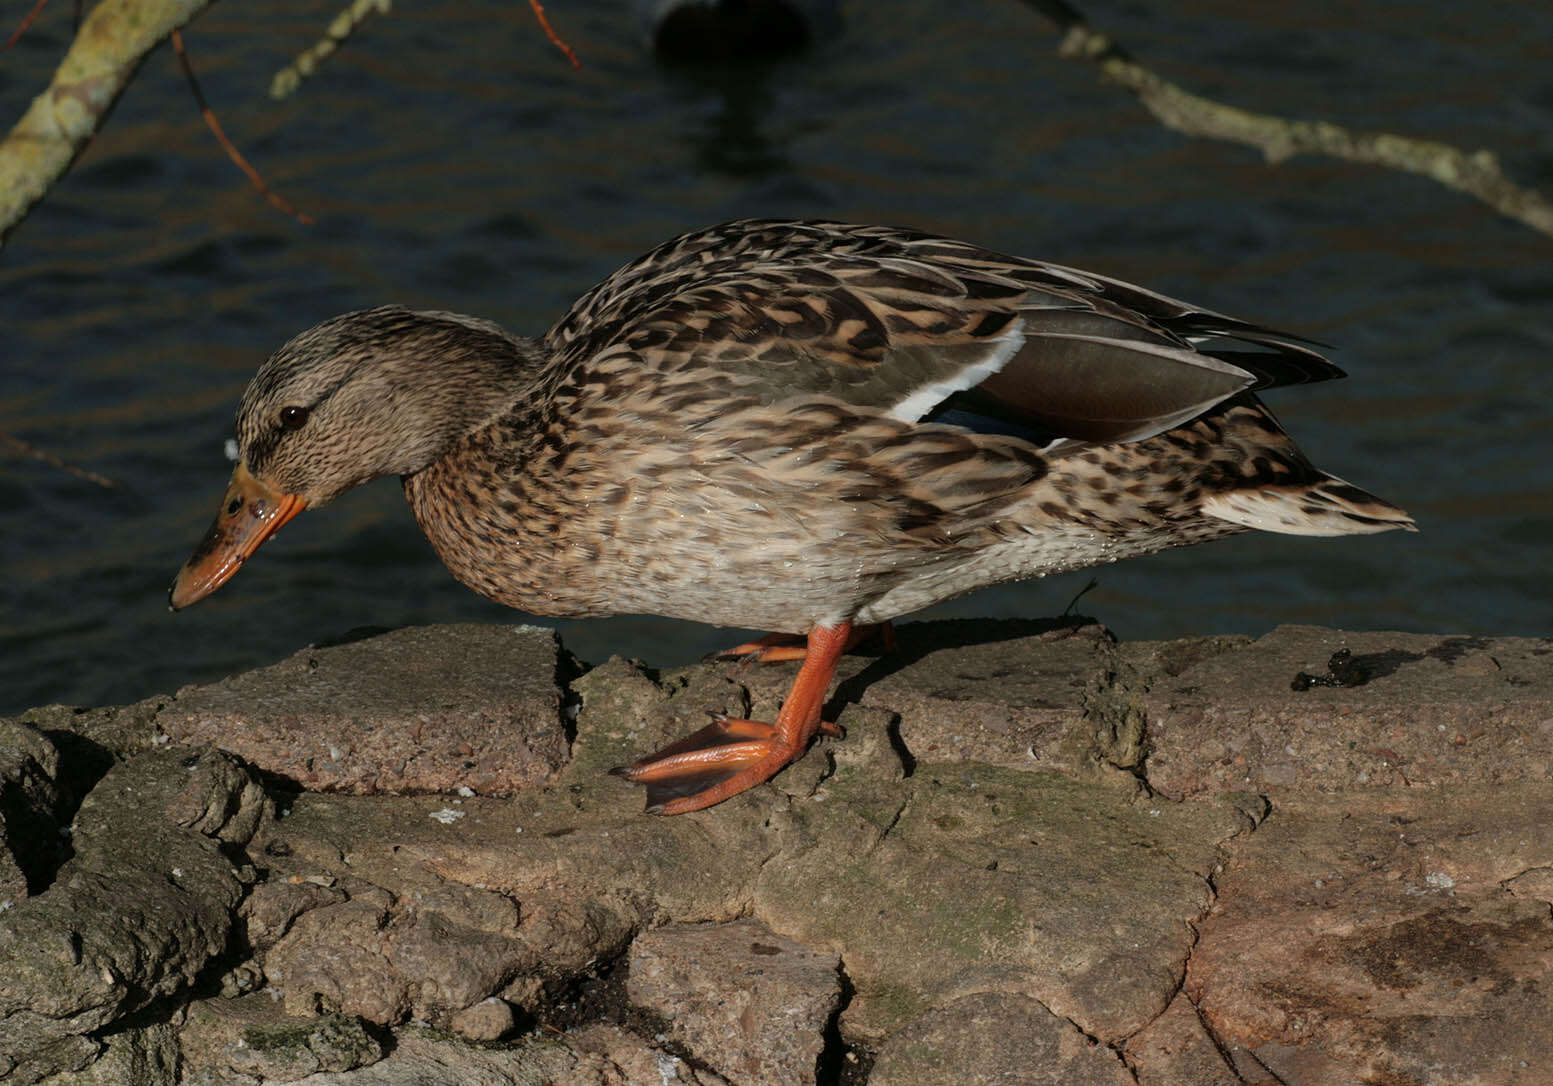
[923, 328]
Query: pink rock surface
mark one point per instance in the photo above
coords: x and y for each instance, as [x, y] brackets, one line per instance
[1311, 708]
[1371, 938]
[426, 709]
[746, 1001]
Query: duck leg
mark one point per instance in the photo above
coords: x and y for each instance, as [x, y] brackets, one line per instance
[729, 756]
[777, 647]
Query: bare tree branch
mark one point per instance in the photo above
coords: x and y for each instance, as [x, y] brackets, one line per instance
[288, 79]
[26, 448]
[555, 39]
[104, 56]
[21, 27]
[1476, 173]
[276, 199]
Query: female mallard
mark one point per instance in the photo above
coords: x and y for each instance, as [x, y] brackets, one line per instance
[800, 426]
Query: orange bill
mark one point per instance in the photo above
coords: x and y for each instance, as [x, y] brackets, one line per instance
[250, 513]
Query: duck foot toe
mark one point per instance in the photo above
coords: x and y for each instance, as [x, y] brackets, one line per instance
[718, 762]
[777, 647]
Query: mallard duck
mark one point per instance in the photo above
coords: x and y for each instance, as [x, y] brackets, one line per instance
[806, 427]
[720, 31]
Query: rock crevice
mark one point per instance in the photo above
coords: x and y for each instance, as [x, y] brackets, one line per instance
[1038, 852]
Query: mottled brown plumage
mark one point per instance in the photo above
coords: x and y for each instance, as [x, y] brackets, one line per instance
[792, 425]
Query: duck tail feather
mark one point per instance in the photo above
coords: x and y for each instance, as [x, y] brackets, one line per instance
[1329, 506]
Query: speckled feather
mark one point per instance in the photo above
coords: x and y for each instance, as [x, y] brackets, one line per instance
[784, 424]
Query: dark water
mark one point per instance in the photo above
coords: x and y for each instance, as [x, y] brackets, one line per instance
[453, 161]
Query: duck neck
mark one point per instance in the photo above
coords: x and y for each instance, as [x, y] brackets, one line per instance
[469, 373]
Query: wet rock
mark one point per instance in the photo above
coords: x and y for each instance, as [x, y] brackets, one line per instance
[1175, 1050]
[744, 1000]
[426, 709]
[1369, 938]
[134, 916]
[995, 1037]
[1306, 707]
[30, 845]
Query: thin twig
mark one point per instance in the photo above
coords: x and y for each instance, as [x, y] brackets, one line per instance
[1476, 173]
[28, 449]
[555, 39]
[285, 82]
[1086, 590]
[233, 153]
[25, 23]
[102, 58]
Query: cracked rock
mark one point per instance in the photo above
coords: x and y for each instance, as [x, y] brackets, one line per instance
[607, 1055]
[1368, 938]
[270, 907]
[1076, 892]
[1008, 693]
[1311, 708]
[295, 1050]
[333, 960]
[998, 914]
[374, 957]
[744, 1000]
[134, 916]
[426, 709]
[1176, 1050]
[251, 1039]
[30, 845]
[250, 1049]
[991, 1038]
[143, 1056]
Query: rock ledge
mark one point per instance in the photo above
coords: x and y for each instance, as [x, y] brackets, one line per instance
[1039, 856]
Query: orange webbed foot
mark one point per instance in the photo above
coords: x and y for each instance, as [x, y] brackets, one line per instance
[725, 758]
[777, 647]
[729, 755]
[771, 649]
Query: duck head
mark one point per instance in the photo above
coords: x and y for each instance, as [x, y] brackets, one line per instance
[382, 391]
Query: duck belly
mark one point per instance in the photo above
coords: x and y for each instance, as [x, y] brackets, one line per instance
[1032, 554]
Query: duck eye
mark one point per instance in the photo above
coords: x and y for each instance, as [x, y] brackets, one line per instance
[292, 418]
